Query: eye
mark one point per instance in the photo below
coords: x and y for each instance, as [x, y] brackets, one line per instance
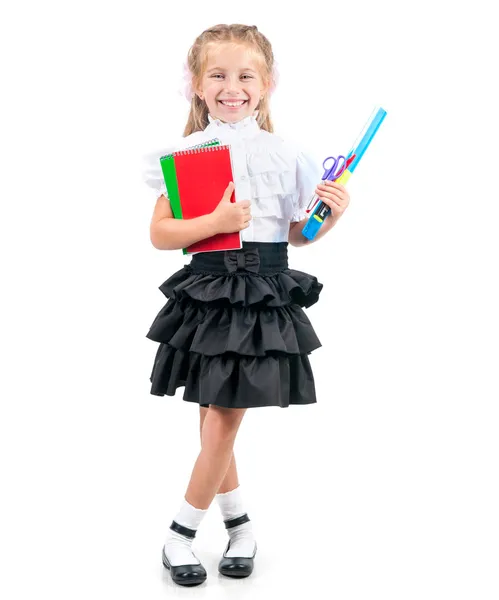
[220, 75]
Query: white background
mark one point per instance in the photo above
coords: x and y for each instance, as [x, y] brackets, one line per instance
[387, 487]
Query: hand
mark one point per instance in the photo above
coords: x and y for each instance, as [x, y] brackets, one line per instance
[230, 217]
[335, 196]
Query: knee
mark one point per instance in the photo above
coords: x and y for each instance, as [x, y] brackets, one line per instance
[223, 424]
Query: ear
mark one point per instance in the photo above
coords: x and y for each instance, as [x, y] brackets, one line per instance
[265, 88]
[199, 92]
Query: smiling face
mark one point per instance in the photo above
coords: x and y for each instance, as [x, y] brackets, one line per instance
[231, 84]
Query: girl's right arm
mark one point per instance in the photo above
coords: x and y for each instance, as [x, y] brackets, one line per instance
[168, 233]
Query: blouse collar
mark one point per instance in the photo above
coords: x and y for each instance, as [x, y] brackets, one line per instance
[247, 125]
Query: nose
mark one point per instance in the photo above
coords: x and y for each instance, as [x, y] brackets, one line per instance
[232, 84]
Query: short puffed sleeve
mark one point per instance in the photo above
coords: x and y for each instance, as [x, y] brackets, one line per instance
[152, 175]
[309, 173]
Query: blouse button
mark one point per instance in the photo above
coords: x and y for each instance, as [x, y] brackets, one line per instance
[243, 178]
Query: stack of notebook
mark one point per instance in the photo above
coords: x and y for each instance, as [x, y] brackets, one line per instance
[196, 179]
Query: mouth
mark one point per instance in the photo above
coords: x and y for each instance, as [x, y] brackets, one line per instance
[233, 104]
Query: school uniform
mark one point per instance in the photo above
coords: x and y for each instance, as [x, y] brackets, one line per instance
[233, 331]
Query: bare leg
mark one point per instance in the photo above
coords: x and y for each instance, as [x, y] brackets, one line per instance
[242, 540]
[231, 480]
[217, 440]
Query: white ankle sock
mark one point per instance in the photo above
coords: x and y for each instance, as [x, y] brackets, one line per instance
[177, 546]
[242, 541]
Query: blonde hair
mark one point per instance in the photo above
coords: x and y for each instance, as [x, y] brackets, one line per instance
[197, 58]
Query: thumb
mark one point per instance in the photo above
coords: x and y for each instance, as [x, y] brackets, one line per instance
[228, 191]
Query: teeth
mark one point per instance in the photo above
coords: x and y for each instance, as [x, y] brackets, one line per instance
[240, 103]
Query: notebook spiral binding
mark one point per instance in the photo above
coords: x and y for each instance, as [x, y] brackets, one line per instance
[209, 144]
[200, 149]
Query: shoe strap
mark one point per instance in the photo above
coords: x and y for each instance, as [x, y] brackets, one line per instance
[237, 521]
[191, 533]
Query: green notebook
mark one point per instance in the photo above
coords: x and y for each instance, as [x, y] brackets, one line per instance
[170, 177]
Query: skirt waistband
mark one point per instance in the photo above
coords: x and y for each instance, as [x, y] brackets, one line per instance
[253, 257]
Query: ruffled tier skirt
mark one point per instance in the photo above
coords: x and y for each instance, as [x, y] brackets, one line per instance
[233, 331]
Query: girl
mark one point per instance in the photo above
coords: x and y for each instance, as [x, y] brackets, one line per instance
[233, 331]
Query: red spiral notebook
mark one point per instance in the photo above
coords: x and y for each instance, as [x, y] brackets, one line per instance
[196, 180]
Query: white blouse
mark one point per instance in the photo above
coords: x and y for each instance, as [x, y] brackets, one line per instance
[277, 178]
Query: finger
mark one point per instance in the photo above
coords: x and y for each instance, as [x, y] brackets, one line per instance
[336, 200]
[338, 195]
[333, 185]
[228, 191]
[331, 201]
[336, 186]
[328, 193]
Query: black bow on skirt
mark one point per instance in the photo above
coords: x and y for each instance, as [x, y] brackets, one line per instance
[248, 259]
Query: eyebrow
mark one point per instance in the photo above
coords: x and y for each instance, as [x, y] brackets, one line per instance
[222, 69]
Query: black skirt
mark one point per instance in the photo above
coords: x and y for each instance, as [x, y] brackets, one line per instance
[233, 331]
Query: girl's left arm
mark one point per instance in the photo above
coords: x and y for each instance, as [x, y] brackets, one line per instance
[337, 198]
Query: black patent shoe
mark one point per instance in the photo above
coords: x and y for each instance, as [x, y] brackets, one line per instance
[185, 574]
[234, 566]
